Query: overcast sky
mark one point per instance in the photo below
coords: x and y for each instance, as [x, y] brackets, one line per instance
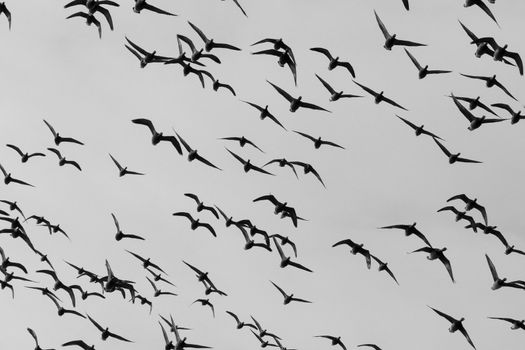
[91, 89]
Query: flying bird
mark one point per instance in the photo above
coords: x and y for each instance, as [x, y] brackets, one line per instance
[206, 302]
[356, 249]
[157, 291]
[419, 130]
[515, 324]
[383, 266]
[200, 204]
[334, 95]
[286, 260]
[334, 62]
[80, 344]
[409, 230]
[482, 6]
[278, 44]
[471, 204]
[247, 165]
[435, 253]
[473, 103]
[210, 44]
[121, 235]
[243, 141]
[34, 336]
[460, 215]
[502, 282]
[194, 155]
[318, 142]
[94, 6]
[284, 58]
[280, 207]
[146, 262]
[424, 71]
[217, 85]
[296, 103]
[123, 170]
[59, 139]
[288, 298]
[500, 52]
[90, 19]
[308, 168]
[6, 12]
[490, 82]
[391, 39]
[157, 137]
[197, 54]
[143, 5]
[335, 340]
[144, 56]
[515, 116]
[455, 325]
[475, 122]
[105, 333]
[264, 113]
[379, 97]
[453, 158]
[282, 162]
[62, 160]
[195, 223]
[8, 178]
[240, 324]
[25, 156]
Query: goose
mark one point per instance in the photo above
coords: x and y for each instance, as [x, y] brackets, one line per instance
[482, 6]
[284, 58]
[158, 292]
[59, 139]
[307, 169]
[146, 262]
[157, 137]
[516, 324]
[62, 311]
[25, 156]
[335, 340]
[264, 343]
[217, 85]
[334, 95]
[318, 142]
[80, 344]
[285, 240]
[60, 285]
[409, 230]
[265, 113]
[96, 6]
[278, 44]
[247, 165]
[379, 97]
[473, 103]
[460, 215]
[13, 206]
[240, 324]
[105, 333]
[286, 260]
[500, 52]
[419, 130]
[158, 277]
[515, 116]
[334, 62]
[143, 5]
[435, 253]
[280, 207]
[200, 204]
[475, 122]
[194, 155]
[424, 71]
[206, 302]
[282, 162]
[188, 69]
[90, 19]
[195, 223]
[455, 325]
[210, 44]
[383, 266]
[288, 298]
[121, 235]
[453, 158]
[263, 332]
[8, 178]
[391, 39]
[197, 54]
[243, 141]
[356, 249]
[144, 56]
[470, 204]
[123, 170]
[229, 219]
[490, 82]
[498, 282]
[296, 102]
[6, 12]
[35, 338]
[250, 243]
[62, 160]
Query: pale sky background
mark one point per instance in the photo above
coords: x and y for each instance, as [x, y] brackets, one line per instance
[90, 89]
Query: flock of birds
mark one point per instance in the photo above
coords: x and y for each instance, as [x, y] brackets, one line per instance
[193, 57]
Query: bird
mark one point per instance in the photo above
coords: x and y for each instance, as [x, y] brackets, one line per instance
[210, 44]
[356, 249]
[455, 325]
[62, 160]
[284, 58]
[262, 331]
[59, 139]
[460, 215]
[335, 340]
[146, 262]
[62, 311]
[80, 344]
[373, 346]
[285, 240]
[482, 48]
[90, 19]
[206, 302]
[200, 204]
[123, 170]
[194, 155]
[143, 5]
[391, 39]
[288, 298]
[25, 156]
[296, 103]
[424, 71]
[334, 62]
[105, 333]
[453, 158]
[158, 292]
[243, 141]
[229, 219]
[158, 277]
[265, 113]
[250, 243]
[278, 44]
[197, 54]
[240, 324]
[121, 235]
[379, 97]
[318, 142]
[409, 230]
[471, 204]
[475, 122]
[384, 267]
[482, 6]
[195, 223]
[435, 253]
[144, 56]
[187, 69]
[419, 130]
[96, 6]
[473, 103]
[172, 325]
[13, 206]
[157, 137]
[509, 249]
[308, 168]
[8, 178]
[217, 85]
[280, 207]
[34, 336]
[500, 52]
[502, 282]
[282, 162]
[515, 116]
[490, 82]
[286, 260]
[264, 343]
[334, 95]
[247, 165]
[516, 324]
[6, 12]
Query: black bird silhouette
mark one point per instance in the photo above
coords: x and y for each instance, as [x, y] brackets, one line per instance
[471, 204]
[158, 292]
[460, 215]
[516, 324]
[13, 206]
[243, 141]
[247, 165]
[481, 5]
[158, 277]
[105, 333]
[96, 6]
[60, 285]
[144, 56]
[262, 331]
[379, 97]
[284, 240]
[6, 12]
[143, 5]
[482, 48]
[80, 344]
[424, 71]
[10, 179]
[334, 62]
[409, 230]
[335, 340]
[59, 139]
[121, 235]
[308, 168]
[383, 266]
[197, 54]
[210, 44]
[157, 137]
[334, 95]
[490, 82]
[229, 220]
[62, 311]
[193, 154]
[278, 44]
[373, 346]
[62, 160]
[264, 113]
[250, 243]
[264, 343]
[34, 336]
[419, 130]
[500, 52]
[206, 302]
[195, 223]
[296, 103]
[240, 324]
[25, 156]
[90, 19]
[391, 39]
[489, 230]
[217, 85]
[4, 285]
[453, 158]
[280, 207]
[288, 298]
[473, 103]
[318, 142]
[123, 170]
[282, 162]
[455, 325]
[146, 262]
[475, 122]
[515, 116]
[200, 204]
[356, 249]
[435, 253]
[187, 69]
[284, 58]
[502, 282]
[286, 260]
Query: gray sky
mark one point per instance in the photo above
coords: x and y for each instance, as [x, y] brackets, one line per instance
[90, 89]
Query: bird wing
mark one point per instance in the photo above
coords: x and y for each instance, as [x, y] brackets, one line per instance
[18, 150]
[443, 148]
[470, 117]
[116, 162]
[282, 92]
[413, 59]
[325, 84]
[323, 51]
[157, 10]
[492, 268]
[382, 26]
